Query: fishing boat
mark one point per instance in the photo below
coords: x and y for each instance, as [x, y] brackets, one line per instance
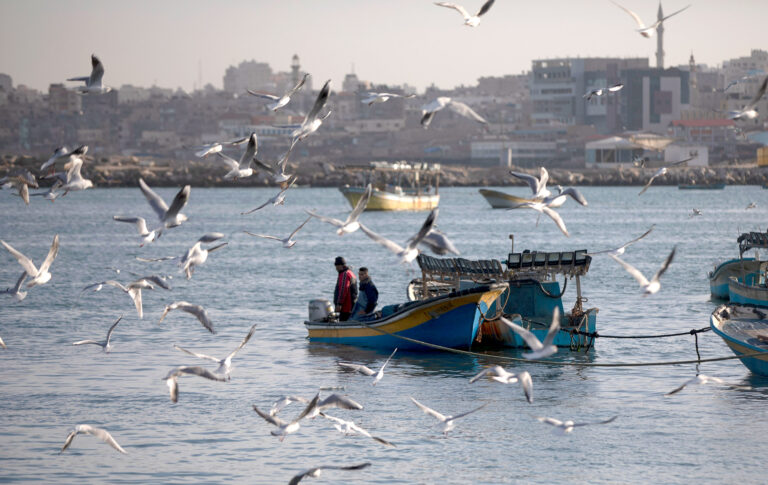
[716, 186]
[448, 320]
[396, 186]
[720, 276]
[744, 329]
[530, 299]
[502, 200]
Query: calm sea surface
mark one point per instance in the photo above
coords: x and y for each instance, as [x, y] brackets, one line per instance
[706, 434]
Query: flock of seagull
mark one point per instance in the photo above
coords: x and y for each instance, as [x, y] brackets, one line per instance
[542, 200]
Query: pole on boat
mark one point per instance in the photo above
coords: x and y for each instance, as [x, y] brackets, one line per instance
[578, 294]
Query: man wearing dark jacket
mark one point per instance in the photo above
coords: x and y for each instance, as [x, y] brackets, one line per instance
[345, 294]
[368, 296]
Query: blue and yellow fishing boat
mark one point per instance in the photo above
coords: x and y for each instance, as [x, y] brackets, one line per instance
[744, 329]
[720, 276]
[448, 320]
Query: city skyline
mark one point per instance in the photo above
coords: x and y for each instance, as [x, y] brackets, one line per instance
[180, 43]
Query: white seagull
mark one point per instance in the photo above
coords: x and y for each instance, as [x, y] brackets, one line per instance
[646, 32]
[284, 428]
[225, 364]
[16, 290]
[620, 250]
[39, 276]
[146, 235]
[288, 242]
[133, 289]
[663, 171]
[74, 179]
[447, 421]
[543, 208]
[244, 167]
[365, 370]
[196, 310]
[101, 434]
[538, 184]
[541, 350]
[106, 345]
[62, 153]
[276, 200]
[750, 110]
[169, 216]
[349, 427]
[702, 379]
[93, 84]
[171, 380]
[280, 101]
[563, 427]
[601, 91]
[428, 111]
[410, 251]
[21, 181]
[2, 344]
[649, 287]
[215, 147]
[332, 401]
[438, 242]
[197, 255]
[469, 20]
[351, 223]
[499, 374]
[557, 200]
[313, 120]
[315, 472]
[375, 98]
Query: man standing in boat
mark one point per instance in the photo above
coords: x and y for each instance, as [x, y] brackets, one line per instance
[367, 297]
[345, 294]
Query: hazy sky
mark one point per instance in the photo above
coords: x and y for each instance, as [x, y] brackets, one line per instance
[163, 42]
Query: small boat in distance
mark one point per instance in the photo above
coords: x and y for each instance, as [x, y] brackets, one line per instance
[693, 186]
[744, 329]
[502, 200]
[396, 186]
[720, 276]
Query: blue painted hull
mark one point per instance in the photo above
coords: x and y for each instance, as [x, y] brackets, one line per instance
[746, 291]
[740, 334]
[718, 279]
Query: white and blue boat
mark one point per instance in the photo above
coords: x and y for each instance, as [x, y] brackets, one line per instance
[738, 268]
[744, 329]
[751, 289]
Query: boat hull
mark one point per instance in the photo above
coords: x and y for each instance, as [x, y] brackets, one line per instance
[745, 291]
[495, 332]
[500, 200]
[387, 201]
[739, 268]
[450, 321]
[702, 187]
[744, 331]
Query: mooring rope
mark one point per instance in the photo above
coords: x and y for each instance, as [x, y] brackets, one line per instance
[663, 335]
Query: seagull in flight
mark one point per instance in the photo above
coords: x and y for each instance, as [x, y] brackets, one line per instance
[695, 212]
[702, 379]
[446, 421]
[172, 379]
[62, 153]
[469, 20]
[133, 289]
[197, 255]
[372, 98]
[276, 200]
[428, 110]
[313, 120]
[315, 472]
[16, 290]
[106, 345]
[74, 179]
[288, 242]
[39, 276]
[750, 110]
[169, 216]
[601, 91]
[332, 401]
[437, 242]
[351, 224]
[196, 310]
[21, 181]
[284, 428]
[499, 374]
[541, 350]
[649, 287]
[410, 251]
[280, 101]
[662, 171]
[365, 370]
[751, 205]
[146, 235]
[93, 84]
[543, 208]
[244, 167]
[538, 184]
[647, 32]
[101, 434]
[563, 427]
[620, 250]
[2, 344]
[215, 147]
[225, 364]
[349, 427]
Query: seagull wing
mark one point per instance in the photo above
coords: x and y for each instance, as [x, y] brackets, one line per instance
[140, 222]
[681, 161]
[199, 356]
[179, 201]
[392, 246]
[97, 72]
[456, 7]
[760, 94]
[52, 252]
[322, 98]
[484, 9]
[270, 97]
[665, 265]
[639, 21]
[159, 281]
[552, 421]
[250, 151]
[300, 226]
[609, 420]
[336, 401]
[461, 415]
[556, 217]
[257, 208]
[281, 403]
[230, 162]
[24, 261]
[201, 372]
[242, 344]
[84, 342]
[157, 204]
[532, 181]
[363, 369]
[575, 195]
[674, 13]
[112, 328]
[526, 335]
[265, 236]
[466, 111]
[425, 229]
[554, 328]
[310, 407]
[488, 370]
[429, 411]
[650, 181]
[298, 86]
[387, 361]
[631, 270]
[361, 204]
[269, 418]
[329, 220]
[103, 435]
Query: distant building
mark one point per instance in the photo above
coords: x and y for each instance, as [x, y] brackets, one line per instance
[6, 83]
[754, 67]
[611, 152]
[63, 100]
[523, 153]
[653, 98]
[252, 75]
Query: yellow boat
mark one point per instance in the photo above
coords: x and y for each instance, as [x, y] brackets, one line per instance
[397, 186]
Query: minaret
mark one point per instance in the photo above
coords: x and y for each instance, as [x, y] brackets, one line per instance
[660, 40]
[295, 70]
[693, 85]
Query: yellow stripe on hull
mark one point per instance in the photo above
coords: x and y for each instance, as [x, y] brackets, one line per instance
[385, 201]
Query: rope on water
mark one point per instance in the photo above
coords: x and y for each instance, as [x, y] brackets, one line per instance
[556, 363]
[694, 331]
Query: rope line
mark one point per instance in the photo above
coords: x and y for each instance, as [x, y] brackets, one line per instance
[689, 332]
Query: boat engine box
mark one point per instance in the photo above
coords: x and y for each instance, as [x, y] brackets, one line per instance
[319, 310]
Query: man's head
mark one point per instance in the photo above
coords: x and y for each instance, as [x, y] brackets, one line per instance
[362, 273]
[339, 263]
